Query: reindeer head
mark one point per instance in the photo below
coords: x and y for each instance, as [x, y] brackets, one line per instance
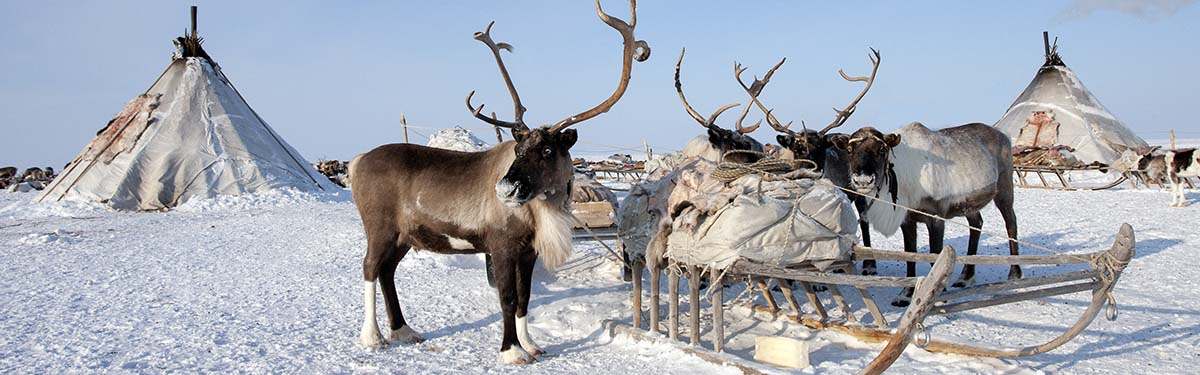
[724, 140]
[870, 158]
[806, 144]
[542, 166]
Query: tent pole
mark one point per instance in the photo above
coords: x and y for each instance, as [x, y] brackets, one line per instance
[194, 21]
[1046, 42]
[1172, 139]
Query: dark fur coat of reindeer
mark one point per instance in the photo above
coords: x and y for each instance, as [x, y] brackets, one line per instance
[512, 202]
[950, 173]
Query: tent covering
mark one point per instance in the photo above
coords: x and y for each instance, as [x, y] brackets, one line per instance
[1074, 116]
[190, 135]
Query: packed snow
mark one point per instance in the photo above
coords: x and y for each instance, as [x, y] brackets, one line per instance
[272, 283]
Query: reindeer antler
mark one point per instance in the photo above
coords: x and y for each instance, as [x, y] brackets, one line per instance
[754, 90]
[845, 113]
[712, 119]
[628, 54]
[518, 123]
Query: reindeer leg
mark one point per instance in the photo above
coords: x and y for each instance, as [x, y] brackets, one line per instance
[525, 265]
[506, 263]
[401, 332]
[967, 278]
[491, 273]
[378, 251]
[869, 267]
[909, 229]
[1004, 202]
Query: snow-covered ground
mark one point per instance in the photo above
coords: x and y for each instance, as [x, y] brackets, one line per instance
[271, 283]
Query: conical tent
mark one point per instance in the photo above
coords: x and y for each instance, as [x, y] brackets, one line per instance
[190, 135]
[1056, 109]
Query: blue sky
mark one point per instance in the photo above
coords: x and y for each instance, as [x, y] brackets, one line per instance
[333, 80]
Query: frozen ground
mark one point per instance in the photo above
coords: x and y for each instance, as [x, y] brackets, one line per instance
[271, 283]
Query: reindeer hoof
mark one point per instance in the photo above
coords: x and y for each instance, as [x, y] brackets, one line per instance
[372, 341]
[405, 336]
[535, 352]
[515, 355]
[1014, 273]
[964, 282]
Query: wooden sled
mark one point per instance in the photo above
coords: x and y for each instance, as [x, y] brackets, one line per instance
[1022, 172]
[929, 298]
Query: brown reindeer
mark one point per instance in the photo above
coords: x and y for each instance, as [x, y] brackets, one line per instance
[817, 145]
[512, 201]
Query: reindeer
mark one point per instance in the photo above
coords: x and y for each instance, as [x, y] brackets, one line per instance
[1181, 164]
[816, 145]
[710, 149]
[511, 201]
[950, 172]
[719, 140]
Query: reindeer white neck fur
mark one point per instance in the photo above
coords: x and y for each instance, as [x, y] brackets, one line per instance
[700, 147]
[929, 167]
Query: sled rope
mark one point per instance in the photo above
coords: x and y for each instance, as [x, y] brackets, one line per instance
[766, 166]
[1106, 266]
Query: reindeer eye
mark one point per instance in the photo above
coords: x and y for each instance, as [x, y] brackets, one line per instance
[546, 151]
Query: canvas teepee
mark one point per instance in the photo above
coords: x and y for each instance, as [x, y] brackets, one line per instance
[1056, 109]
[190, 135]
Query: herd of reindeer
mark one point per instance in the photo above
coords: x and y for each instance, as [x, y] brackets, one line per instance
[512, 201]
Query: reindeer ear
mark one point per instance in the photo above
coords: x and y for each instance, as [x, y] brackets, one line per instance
[892, 140]
[568, 137]
[784, 140]
[841, 141]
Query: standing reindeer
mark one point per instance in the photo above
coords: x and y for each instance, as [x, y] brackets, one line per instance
[512, 201]
[950, 173]
[720, 140]
[817, 145]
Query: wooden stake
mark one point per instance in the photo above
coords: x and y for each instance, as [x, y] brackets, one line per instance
[404, 123]
[694, 304]
[637, 295]
[655, 275]
[718, 301]
[673, 305]
[1172, 139]
[649, 152]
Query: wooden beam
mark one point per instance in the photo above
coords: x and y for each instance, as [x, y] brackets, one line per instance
[637, 295]
[922, 300]
[673, 306]
[1018, 284]
[864, 253]
[812, 299]
[759, 269]
[655, 275]
[718, 305]
[694, 304]
[1015, 297]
